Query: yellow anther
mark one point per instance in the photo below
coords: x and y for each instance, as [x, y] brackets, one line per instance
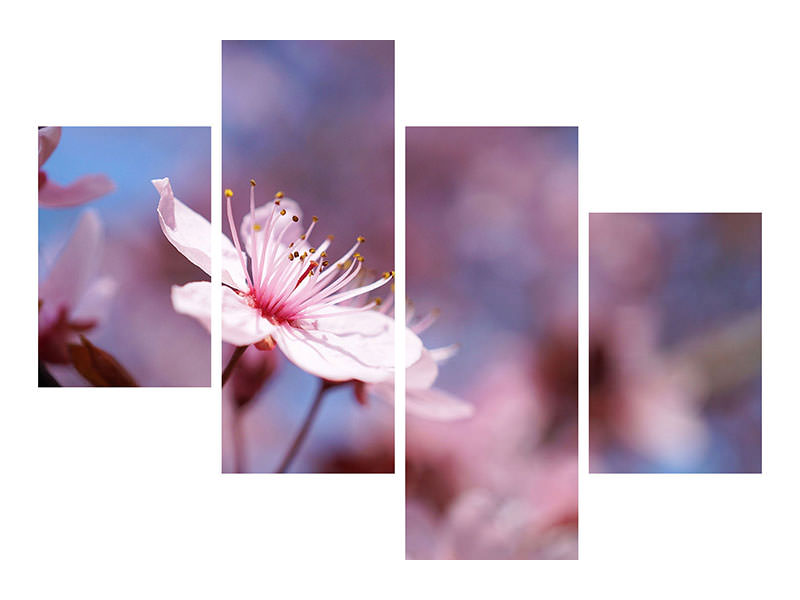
[302, 237]
[295, 218]
[278, 202]
[257, 227]
[360, 259]
[324, 253]
[312, 250]
[283, 211]
[330, 237]
[378, 301]
[279, 195]
[386, 274]
[360, 239]
[325, 263]
[229, 193]
[291, 256]
[315, 219]
[253, 182]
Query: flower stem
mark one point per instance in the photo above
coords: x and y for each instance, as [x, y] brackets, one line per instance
[237, 354]
[301, 435]
[239, 461]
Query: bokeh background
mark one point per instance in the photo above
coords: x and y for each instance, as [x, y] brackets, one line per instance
[492, 217]
[314, 119]
[156, 345]
[675, 342]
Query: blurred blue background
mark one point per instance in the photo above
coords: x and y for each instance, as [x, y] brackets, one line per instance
[159, 347]
[676, 338]
[131, 157]
[492, 234]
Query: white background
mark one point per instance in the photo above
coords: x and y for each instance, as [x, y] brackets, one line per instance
[118, 494]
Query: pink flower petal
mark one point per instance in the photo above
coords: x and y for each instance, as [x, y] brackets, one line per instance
[241, 324]
[48, 140]
[437, 405]
[414, 347]
[95, 303]
[194, 300]
[351, 346]
[444, 353]
[84, 189]
[190, 233]
[73, 268]
[422, 373]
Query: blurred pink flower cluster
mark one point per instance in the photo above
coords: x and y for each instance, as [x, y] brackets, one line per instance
[72, 298]
[674, 333]
[494, 486]
[99, 294]
[492, 240]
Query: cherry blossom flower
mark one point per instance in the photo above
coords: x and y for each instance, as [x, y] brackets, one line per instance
[72, 300]
[83, 189]
[289, 294]
[422, 399]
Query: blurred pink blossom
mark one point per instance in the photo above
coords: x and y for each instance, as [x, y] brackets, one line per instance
[637, 397]
[72, 299]
[501, 490]
[83, 189]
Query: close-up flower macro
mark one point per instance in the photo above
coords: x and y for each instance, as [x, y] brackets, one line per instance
[307, 253]
[105, 269]
[404, 300]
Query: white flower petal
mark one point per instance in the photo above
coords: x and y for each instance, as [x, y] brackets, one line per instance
[241, 323]
[414, 347]
[74, 267]
[433, 403]
[190, 233]
[351, 346]
[444, 353]
[437, 405]
[422, 373]
[194, 300]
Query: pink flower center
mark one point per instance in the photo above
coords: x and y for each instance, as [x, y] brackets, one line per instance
[288, 280]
